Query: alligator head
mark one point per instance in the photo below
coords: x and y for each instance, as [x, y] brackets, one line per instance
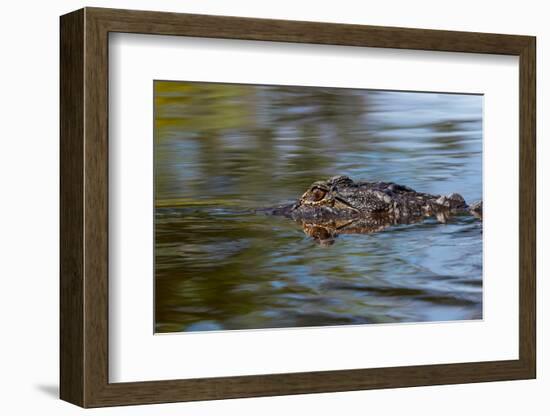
[341, 206]
[323, 201]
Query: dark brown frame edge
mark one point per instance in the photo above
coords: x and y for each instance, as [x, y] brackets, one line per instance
[84, 207]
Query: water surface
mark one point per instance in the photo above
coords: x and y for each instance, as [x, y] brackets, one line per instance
[222, 150]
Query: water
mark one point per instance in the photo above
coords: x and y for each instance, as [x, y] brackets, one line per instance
[222, 151]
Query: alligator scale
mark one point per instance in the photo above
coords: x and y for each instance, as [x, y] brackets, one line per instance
[341, 206]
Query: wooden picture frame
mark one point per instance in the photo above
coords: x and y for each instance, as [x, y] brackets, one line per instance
[84, 207]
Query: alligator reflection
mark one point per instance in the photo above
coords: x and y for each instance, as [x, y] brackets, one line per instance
[325, 233]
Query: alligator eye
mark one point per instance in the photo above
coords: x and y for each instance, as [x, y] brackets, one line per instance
[316, 194]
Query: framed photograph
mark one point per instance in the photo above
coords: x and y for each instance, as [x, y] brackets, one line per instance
[254, 207]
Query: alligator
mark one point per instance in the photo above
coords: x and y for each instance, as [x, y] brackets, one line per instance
[341, 206]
